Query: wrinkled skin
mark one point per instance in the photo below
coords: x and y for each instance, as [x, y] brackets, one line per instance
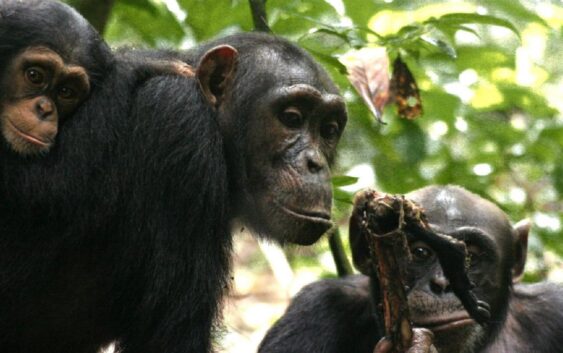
[294, 117]
[300, 129]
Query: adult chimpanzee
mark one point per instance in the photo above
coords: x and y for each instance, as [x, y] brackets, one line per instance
[45, 78]
[122, 231]
[338, 316]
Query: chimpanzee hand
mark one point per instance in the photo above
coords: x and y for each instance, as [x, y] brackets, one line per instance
[421, 343]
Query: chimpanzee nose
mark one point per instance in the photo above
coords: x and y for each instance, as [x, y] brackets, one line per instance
[315, 161]
[439, 284]
[44, 108]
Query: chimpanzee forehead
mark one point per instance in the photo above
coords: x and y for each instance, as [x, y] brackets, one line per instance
[292, 68]
[451, 208]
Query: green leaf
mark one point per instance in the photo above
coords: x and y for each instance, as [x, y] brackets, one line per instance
[325, 41]
[143, 24]
[440, 105]
[343, 180]
[329, 60]
[295, 17]
[467, 18]
[483, 59]
[528, 100]
[342, 196]
[516, 11]
[411, 142]
[209, 19]
[144, 5]
[468, 29]
[361, 11]
[558, 177]
[412, 30]
[441, 45]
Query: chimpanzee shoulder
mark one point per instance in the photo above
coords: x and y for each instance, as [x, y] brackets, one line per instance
[534, 322]
[319, 313]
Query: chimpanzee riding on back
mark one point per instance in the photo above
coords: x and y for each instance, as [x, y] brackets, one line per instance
[47, 76]
[121, 232]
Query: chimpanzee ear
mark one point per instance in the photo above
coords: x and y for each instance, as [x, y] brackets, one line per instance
[215, 72]
[521, 231]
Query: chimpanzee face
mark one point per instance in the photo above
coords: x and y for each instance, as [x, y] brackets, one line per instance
[433, 304]
[39, 89]
[491, 243]
[290, 171]
[297, 125]
[284, 117]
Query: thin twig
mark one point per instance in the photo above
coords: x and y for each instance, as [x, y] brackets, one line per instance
[258, 9]
[343, 266]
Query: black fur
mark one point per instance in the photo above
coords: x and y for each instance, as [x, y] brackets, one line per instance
[56, 26]
[332, 315]
[534, 322]
[335, 316]
[122, 231]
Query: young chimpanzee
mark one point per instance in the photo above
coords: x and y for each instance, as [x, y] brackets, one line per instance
[122, 231]
[46, 76]
[338, 316]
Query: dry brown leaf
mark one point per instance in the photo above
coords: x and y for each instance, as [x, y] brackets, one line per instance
[404, 91]
[368, 72]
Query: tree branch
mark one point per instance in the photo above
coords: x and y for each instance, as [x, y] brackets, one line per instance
[343, 267]
[258, 8]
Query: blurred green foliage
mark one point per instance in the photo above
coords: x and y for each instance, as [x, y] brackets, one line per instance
[491, 83]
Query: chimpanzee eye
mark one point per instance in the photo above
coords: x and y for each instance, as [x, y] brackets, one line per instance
[475, 254]
[291, 117]
[330, 130]
[66, 93]
[422, 253]
[35, 75]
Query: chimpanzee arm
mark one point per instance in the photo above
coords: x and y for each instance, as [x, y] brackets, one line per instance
[330, 316]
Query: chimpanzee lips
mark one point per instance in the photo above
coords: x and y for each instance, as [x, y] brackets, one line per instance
[309, 215]
[315, 216]
[446, 322]
[32, 139]
[302, 226]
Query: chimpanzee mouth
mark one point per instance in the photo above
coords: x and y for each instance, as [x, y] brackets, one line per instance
[307, 215]
[445, 323]
[29, 138]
